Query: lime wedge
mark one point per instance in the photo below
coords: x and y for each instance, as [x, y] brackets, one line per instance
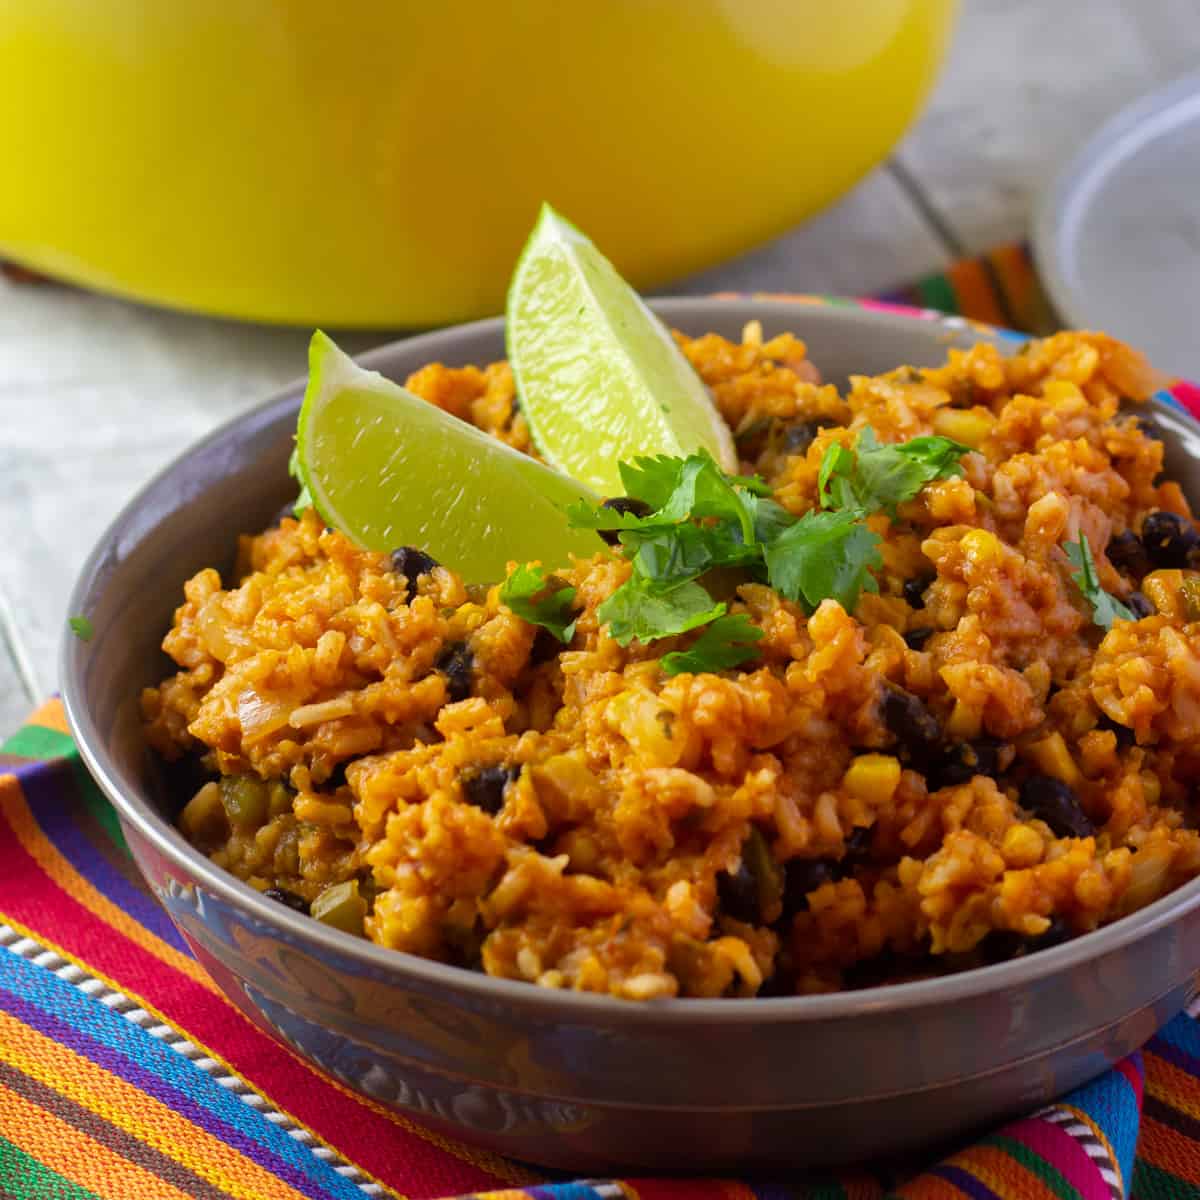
[389, 469]
[599, 377]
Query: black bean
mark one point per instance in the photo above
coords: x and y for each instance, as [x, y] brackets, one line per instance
[455, 663]
[290, 899]
[858, 850]
[967, 394]
[757, 872]
[1149, 427]
[180, 780]
[1123, 733]
[779, 983]
[749, 439]
[915, 639]
[1054, 802]
[914, 590]
[1055, 934]
[962, 761]
[909, 719]
[412, 564]
[799, 436]
[622, 504]
[1126, 552]
[738, 893]
[545, 647]
[873, 972]
[1139, 605]
[1168, 539]
[485, 788]
[804, 875]
[1001, 945]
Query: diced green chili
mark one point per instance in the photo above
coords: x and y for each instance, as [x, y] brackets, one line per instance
[767, 873]
[1189, 593]
[245, 800]
[342, 907]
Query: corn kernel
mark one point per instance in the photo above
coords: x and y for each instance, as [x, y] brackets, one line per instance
[1163, 590]
[872, 778]
[981, 547]
[1022, 846]
[964, 721]
[971, 426]
[1053, 757]
[1189, 595]
[1059, 390]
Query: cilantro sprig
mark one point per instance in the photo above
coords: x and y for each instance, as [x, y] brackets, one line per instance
[535, 598]
[695, 518]
[1105, 608]
[874, 477]
[304, 500]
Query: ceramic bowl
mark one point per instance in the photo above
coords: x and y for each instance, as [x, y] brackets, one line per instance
[582, 1082]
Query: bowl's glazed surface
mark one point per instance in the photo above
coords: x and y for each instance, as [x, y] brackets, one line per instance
[379, 162]
[568, 1080]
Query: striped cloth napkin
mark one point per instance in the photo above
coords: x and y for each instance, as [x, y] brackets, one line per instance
[125, 1075]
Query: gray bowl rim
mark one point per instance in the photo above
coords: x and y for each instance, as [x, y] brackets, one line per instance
[898, 997]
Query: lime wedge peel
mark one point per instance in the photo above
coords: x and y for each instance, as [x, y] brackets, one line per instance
[599, 376]
[390, 469]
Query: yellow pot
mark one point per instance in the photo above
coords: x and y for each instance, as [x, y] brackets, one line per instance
[379, 162]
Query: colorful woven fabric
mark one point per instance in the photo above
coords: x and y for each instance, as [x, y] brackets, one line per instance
[125, 1075]
[1000, 287]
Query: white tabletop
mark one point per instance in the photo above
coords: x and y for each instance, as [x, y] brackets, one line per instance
[96, 394]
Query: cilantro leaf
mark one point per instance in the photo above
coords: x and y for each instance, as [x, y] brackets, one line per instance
[703, 490]
[82, 628]
[652, 480]
[770, 520]
[532, 596]
[823, 555]
[1105, 608]
[875, 476]
[834, 487]
[583, 515]
[939, 455]
[304, 500]
[726, 642]
[666, 557]
[636, 610]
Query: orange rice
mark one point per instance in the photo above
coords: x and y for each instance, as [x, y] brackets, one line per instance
[767, 829]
